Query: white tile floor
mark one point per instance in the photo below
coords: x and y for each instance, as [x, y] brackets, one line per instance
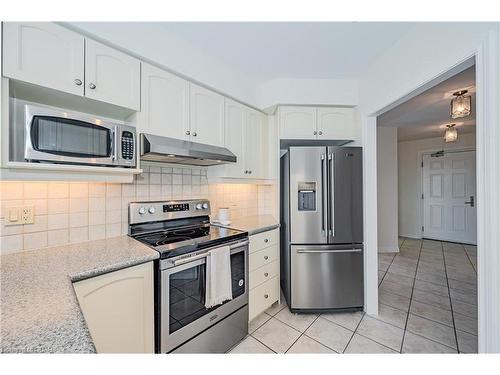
[427, 304]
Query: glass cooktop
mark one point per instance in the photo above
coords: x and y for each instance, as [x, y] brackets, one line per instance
[174, 242]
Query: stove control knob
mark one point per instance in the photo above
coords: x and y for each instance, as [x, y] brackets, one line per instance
[142, 211]
[151, 210]
[205, 206]
[199, 206]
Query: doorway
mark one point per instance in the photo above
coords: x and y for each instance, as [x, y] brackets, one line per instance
[449, 196]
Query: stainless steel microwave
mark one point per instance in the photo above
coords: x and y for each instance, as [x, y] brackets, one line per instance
[53, 135]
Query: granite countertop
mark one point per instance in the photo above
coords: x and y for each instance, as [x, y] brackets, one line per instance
[255, 224]
[39, 309]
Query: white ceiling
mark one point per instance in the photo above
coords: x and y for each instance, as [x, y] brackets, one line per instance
[314, 50]
[427, 114]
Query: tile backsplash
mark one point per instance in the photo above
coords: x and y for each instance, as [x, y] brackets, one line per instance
[71, 212]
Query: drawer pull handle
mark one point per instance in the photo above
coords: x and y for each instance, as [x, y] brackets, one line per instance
[266, 295]
[266, 274]
[266, 240]
[266, 257]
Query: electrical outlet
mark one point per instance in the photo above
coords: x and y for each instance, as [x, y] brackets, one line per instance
[27, 215]
[20, 215]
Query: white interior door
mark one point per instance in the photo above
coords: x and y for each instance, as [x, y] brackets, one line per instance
[449, 186]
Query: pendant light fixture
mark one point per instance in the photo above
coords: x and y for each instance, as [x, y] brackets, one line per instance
[450, 134]
[460, 104]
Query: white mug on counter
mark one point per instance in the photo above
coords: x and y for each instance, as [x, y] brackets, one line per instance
[223, 216]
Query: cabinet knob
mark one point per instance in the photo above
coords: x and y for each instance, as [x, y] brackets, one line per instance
[266, 274]
[249, 172]
[266, 257]
[315, 132]
[92, 86]
[266, 240]
[320, 132]
[78, 82]
[266, 295]
[246, 172]
[188, 132]
[194, 134]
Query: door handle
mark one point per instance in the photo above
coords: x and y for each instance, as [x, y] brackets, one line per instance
[331, 251]
[323, 194]
[331, 189]
[471, 201]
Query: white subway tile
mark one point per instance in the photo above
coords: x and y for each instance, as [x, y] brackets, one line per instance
[97, 190]
[113, 190]
[154, 178]
[9, 230]
[97, 232]
[57, 237]
[57, 221]
[4, 205]
[40, 205]
[79, 190]
[58, 206]
[114, 216]
[78, 205]
[154, 169]
[142, 191]
[177, 170]
[39, 225]
[78, 234]
[128, 190]
[35, 190]
[177, 179]
[80, 219]
[11, 244]
[142, 179]
[166, 191]
[114, 203]
[35, 240]
[166, 179]
[154, 190]
[11, 190]
[166, 170]
[113, 230]
[58, 190]
[97, 204]
[97, 217]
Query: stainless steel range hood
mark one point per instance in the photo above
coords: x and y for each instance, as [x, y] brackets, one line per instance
[170, 150]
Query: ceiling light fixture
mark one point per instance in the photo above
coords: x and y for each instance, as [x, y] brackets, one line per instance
[460, 105]
[450, 134]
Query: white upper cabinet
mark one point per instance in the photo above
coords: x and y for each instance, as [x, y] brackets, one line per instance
[111, 76]
[207, 116]
[336, 123]
[253, 144]
[235, 121]
[297, 122]
[164, 103]
[45, 54]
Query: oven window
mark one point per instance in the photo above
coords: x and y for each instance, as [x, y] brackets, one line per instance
[62, 136]
[187, 291]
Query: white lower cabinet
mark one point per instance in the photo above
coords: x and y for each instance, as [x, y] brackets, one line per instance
[119, 309]
[264, 280]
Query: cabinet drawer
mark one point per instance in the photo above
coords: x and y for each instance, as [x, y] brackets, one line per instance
[263, 257]
[263, 296]
[262, 240]
[263, 274]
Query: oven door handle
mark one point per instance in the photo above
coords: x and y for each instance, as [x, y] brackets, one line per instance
[206, 254]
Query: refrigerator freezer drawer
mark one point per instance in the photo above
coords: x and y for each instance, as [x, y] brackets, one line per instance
[326, 277]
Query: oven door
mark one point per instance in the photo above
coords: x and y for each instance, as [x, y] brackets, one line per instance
[55, 136]
[183, 290]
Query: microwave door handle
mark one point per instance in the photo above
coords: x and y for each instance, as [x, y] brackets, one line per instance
[114, 144]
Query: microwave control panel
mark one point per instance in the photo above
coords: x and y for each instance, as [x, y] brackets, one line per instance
[127, 145]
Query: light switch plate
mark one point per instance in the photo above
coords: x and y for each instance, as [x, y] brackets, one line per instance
[20, 215]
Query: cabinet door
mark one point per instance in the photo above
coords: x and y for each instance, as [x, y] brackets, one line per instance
[253, 144]
[111, 76]
[207, 116]
[234, 135]
[297, 122]
[119, 309]
[336, 123]
[164, 103]
[45, 54]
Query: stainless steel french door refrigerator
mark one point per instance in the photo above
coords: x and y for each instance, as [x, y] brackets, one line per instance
[322, 228]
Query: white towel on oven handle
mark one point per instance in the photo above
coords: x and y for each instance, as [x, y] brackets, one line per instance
[219, 287]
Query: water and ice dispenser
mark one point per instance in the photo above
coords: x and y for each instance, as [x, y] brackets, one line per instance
[307, 196]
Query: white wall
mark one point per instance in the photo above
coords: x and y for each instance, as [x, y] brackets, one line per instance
[410, 177]
[340, 92]
[387, 189]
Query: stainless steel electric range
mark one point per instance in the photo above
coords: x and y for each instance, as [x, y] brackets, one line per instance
[181, 232]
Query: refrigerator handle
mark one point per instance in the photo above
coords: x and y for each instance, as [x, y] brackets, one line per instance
[331, 192]
[323, 196]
